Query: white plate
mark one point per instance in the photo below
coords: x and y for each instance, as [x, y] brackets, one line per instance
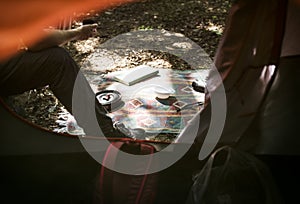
[162, 92]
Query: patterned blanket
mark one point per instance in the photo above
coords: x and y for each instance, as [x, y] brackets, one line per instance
[142, 109]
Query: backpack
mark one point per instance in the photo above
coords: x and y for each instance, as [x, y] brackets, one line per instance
[230, 176]
[117, 188]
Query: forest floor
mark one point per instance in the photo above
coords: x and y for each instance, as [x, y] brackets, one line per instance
[201, 21]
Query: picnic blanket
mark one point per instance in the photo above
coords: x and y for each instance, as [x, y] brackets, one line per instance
[142, 109]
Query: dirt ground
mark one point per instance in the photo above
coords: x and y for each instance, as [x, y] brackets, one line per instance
[202, 21]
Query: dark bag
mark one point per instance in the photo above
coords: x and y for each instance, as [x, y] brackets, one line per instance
[118, 188]
[233, 177]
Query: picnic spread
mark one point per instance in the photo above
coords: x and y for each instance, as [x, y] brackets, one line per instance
[142, 108]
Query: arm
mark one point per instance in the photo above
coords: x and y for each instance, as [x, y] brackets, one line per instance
[58, 37]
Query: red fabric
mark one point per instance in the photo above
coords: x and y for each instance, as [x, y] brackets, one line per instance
[26, 18]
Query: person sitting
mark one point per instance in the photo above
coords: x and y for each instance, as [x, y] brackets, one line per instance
[48, 63]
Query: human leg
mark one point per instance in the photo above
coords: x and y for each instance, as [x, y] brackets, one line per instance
[30, 70]
[56, 68]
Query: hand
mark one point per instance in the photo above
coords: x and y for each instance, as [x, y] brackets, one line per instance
[87, 31]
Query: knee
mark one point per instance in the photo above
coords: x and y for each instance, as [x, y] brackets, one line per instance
[61, 59]
[59, 55]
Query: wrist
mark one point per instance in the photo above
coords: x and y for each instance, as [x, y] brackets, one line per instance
[74, 34]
